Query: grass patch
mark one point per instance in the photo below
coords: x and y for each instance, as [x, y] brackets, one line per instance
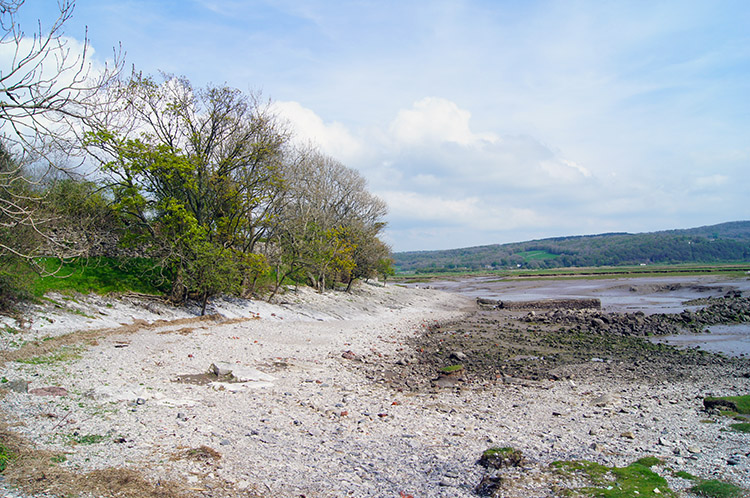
[452, 369]
[10, 330]
[717, 489]
[685, 475]
[86, 438]
[649, 461]
[65, 353]
[6, 456]
[98, 275]
[741, 427]
[637, 479]
[741, 402]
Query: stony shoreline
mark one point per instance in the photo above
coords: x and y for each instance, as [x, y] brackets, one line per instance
[331, 412]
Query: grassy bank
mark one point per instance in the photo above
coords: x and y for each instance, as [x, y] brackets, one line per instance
[729, 270]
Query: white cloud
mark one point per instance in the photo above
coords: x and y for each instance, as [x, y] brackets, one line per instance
[333, 138]
[469, 212]
[435, 120]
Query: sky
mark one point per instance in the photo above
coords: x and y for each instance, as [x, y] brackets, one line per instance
[479, 121]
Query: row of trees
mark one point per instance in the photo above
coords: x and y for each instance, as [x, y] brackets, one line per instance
[724, 243]
[204, 181]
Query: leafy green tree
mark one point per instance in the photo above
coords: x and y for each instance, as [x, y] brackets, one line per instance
[193, 172]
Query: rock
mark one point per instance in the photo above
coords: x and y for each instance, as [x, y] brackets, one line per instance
[349, 355]
[221, 369]
[49, 391]
[489, 486]
[240, 373]
[498, 458]
[458, 356]
[627, 435]
[446, 381]
[694, 450]
[602, 400]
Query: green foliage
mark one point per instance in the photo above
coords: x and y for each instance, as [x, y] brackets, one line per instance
[16, 276]
[196, 185]
[717, 489]
[637, 479]
[6, 456]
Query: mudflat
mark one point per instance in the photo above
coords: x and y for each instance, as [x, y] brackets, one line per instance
[382, 392]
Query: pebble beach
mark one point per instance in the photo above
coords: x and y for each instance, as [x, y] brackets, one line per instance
[296, 411]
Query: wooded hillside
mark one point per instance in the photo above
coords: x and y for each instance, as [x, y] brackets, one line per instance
[726, 242]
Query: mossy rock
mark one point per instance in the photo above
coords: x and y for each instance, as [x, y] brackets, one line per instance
[736, 404]
[498, 458]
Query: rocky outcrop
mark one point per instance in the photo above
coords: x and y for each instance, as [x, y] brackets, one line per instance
[725, 310]
[544, 304]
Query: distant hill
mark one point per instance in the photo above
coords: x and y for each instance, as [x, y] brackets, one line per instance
[726, 242]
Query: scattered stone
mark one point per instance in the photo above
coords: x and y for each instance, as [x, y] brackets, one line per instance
[17, 385]
[602, 400]
[489, 485]
[458, 356]
[349, 355]
[445, 380]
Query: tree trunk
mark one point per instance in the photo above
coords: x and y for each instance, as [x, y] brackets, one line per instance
[204, 303]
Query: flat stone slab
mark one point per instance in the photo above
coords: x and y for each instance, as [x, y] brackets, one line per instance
[49, 391]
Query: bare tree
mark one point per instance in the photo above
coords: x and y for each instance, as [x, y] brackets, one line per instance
[48, 89]
[328, 223]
